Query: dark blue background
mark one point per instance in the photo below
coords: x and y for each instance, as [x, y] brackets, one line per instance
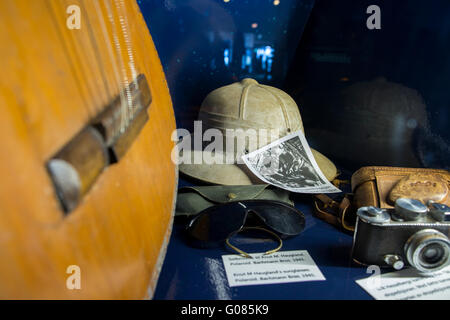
[411, 49]
[192, 35]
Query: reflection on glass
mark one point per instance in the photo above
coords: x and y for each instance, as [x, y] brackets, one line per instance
[206, 44]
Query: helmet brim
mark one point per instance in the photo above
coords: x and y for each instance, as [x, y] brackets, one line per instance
[239, 174]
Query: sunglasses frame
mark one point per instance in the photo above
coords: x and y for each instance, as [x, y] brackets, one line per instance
[245, 204]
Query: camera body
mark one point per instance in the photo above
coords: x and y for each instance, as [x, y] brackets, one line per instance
[410, 234]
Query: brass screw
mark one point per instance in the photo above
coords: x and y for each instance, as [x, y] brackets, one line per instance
[232, 195]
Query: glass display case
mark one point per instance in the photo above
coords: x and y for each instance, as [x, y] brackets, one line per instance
[225, 150]
[370, 80]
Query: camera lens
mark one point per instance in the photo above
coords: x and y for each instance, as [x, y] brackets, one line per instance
[432, 254]
[428, 250]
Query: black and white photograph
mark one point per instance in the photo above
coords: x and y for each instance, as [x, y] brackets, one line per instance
[289, 164]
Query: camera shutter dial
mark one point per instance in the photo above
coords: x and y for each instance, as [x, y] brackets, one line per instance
[410, 209]
[373, 214]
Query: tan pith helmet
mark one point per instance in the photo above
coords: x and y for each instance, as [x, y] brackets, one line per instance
[252, 107]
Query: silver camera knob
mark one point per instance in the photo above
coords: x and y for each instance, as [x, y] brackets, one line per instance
[373, 214]
[440, 212]
[395, 261]
[410, 209]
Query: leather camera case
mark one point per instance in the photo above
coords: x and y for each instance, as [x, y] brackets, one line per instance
[381, 186]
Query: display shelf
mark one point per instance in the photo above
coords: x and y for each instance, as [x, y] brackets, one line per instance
[192, 273]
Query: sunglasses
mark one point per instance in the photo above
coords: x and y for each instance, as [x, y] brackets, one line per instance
[216, 224]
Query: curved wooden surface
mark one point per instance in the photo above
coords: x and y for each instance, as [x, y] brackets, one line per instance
[53, 81]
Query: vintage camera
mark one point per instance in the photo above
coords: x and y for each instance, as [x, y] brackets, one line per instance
[410, 234]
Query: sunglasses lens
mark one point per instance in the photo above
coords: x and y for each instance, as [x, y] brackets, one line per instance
[216, 223]
[285, 220]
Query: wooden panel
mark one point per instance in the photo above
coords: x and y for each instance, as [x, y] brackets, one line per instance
[55, 80]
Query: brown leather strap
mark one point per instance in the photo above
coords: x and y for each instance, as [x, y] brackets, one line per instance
[321, 203]
[333, 212]
[344, 208]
